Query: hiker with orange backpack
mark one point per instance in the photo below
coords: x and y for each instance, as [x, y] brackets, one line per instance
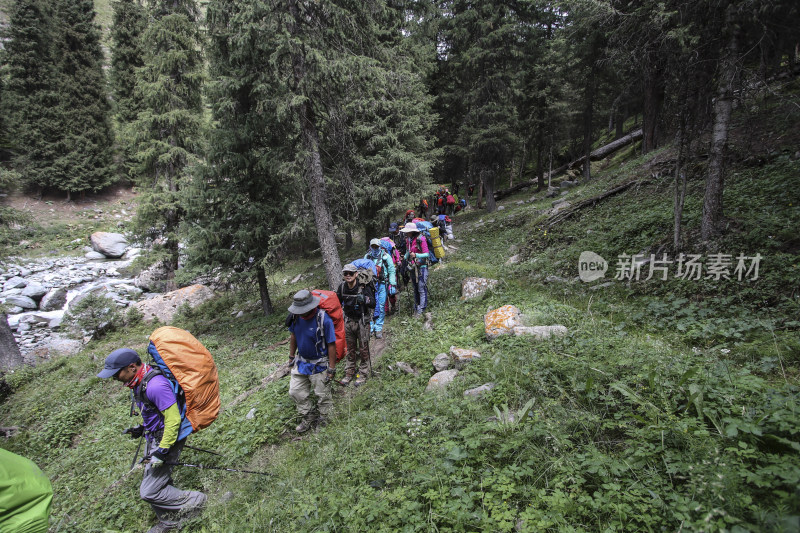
[162, 421]
[358, 302]
[312, 351]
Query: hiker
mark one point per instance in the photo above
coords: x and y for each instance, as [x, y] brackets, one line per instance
[417, 260]
[357, 302]
[26, 495]
[423, 207]
[400, 242]
[312, 352]
[451, 204]
[161, 419]
[386, 280]
[410, 216]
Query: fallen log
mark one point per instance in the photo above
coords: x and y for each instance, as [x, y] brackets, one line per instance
[610, 148]
[499, 195]
[567, 213]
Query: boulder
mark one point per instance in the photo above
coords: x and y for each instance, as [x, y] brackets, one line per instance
[478, 391]
[94, 255]
[440, 380]
[405, 367]
[474, 287]
[14, 283]
[566, 184]
[165, 306]
[541, 332]
[132, 253]
[462, 356]
[21, 301]
[441, 362]
[34, 290]
[513, 260]
[62, 346]
[109, 244]
[502, 321]
[153, 279]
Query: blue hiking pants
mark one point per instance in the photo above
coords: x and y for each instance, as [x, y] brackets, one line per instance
[380, 307]
[420, 290]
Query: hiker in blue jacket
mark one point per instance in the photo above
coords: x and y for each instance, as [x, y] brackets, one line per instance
[386, 278]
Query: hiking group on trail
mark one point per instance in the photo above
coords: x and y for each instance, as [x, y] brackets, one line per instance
[178, 393]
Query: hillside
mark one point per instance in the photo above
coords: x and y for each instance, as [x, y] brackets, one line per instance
[670, 405]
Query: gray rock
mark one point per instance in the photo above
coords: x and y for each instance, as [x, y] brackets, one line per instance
[555, 279]
[501, 321]
[153, 279]
[428, 325]
[405, 367]
[165, 306]
[558, 202]
[441, 362]
[21, 301]
[566, 184]
[440, 380]
[551, 193]
[251, 414]
[94, 255]
[15, 282]
[513, 260]
[477, 391]
[601, 286]
[541, 332]
[34, 290]
[109, 244]
[475, 287]
[132, 253]
[500, 207]
[240, 314]
[462, 356]
[61, 346]
[297, 278]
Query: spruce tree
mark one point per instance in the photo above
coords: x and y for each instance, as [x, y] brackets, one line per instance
[32, 92]
[168, 130]
[129, 23]
[84, 152]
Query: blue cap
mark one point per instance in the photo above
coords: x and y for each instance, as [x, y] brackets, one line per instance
[393, 227]
[117, 360]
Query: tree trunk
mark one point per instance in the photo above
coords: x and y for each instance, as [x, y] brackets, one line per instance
[10, 356]
[653, 98]
[263, 289]
[723, 105]
[487, 179]
[588, 115]
[348, 239]
[323, 221]
[480, 193]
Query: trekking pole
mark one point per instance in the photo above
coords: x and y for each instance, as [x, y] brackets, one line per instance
[206, 467]
[201, 450]
[138, 447]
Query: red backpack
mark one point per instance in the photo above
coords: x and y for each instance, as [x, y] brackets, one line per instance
[329, 302]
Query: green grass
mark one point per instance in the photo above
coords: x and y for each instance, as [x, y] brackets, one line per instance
[669, 406]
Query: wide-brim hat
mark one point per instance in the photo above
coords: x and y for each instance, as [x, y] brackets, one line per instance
[303, 302]
[117, 360]
[410, 228]
[375, 242]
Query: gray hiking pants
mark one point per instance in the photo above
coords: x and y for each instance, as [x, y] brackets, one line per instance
[300, 387]
[357, 335]
[157, 489]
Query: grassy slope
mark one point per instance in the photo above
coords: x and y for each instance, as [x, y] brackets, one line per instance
[669, 406]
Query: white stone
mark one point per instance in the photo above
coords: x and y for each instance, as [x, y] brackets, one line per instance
[440, 380]
[541, 332]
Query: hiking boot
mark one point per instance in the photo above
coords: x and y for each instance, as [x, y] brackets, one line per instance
[359, 381]
[322, 421]
[161, 527]
[346, 381]
[303, 426]
[378, 334]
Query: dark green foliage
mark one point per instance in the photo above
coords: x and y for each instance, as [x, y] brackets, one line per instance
[32, 92]
[126, 57]
[84, 148]
[94, 315]
[168, 131]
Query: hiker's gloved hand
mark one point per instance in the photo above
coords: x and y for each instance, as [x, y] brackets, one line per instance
[329, 374]
[158, 456]
[135, 432]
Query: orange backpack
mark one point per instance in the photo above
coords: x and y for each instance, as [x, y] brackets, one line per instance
[329, 302]
[189, 367]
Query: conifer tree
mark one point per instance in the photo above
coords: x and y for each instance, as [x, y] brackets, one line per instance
[129, 23]
[168, 130]
[32, 97]
[240, 204]
[86, 138]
